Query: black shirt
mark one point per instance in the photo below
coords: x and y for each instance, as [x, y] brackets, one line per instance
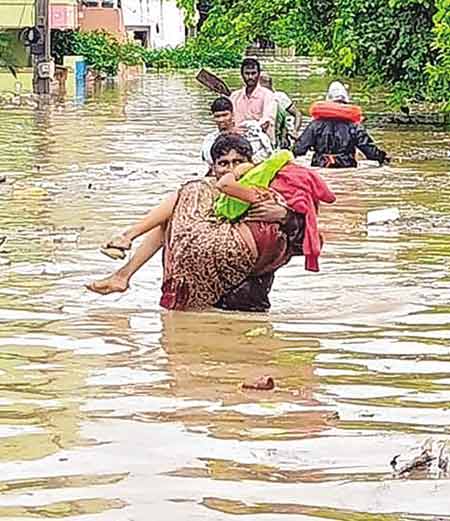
[334, 142]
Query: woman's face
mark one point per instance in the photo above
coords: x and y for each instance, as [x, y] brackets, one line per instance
[228, 162]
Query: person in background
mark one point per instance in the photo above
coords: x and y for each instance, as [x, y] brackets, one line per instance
[223, 116]
[254, 102]
[335, 133]
[289, 118]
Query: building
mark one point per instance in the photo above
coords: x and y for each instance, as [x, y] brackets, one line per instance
[94, 15]
[63, 14]
[155, 23]
[15, 15]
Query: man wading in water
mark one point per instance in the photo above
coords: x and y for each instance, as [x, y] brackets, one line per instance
[254, 102]
[223, 115]
[278, 235]
[336, 132]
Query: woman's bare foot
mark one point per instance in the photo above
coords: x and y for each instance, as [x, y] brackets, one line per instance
[112, 284]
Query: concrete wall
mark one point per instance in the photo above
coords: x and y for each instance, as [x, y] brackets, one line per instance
[137, 13]
[20, 13]
[170, 23]
[106, 18]
[8, 82]
[63, 14]
[16, 13]
[161, 18]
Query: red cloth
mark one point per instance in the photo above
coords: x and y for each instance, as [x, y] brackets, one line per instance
[272, 246]
[303, 189]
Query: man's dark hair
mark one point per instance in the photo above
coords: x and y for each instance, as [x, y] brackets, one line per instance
[250, 63]
[227, 142]
[221, 104]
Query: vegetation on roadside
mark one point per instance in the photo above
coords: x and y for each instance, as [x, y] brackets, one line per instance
[402, 45]
[102, 51]
[6, 53]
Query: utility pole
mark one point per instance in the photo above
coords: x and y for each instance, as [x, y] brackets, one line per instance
[43, 67]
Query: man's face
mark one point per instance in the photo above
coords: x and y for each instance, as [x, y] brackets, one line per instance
[250, 75]
[224, 120]
[227, 163]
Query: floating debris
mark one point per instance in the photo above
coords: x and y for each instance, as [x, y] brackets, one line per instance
[383, 216]
[263, 383]
[430, 456]
[257, 331]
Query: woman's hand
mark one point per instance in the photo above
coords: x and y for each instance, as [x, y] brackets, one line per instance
[268, 211]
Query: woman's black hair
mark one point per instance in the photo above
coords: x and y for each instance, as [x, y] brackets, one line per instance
[227, 142]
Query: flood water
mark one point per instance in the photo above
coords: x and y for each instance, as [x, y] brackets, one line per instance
[113, 410]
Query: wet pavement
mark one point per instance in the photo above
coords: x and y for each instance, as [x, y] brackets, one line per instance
[113, 410]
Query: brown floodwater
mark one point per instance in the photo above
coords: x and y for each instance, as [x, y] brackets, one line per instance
[113, 410]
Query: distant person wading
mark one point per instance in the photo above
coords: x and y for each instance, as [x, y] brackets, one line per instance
[336, 133]
[254, 102]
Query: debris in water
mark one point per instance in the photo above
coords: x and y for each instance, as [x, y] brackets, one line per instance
[421, 462]
[383, 216]
[443, 457]
[2, 178]
[263, 383]
[257, 331]
[430, 456]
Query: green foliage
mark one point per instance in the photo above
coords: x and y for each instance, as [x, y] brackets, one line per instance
[287, 23]
[6, 53]
[403, 45]
[189, 10]
[62, 44]
[132, 54]
[102, 51]
[389, 38]
[197, 52]
[439, 71]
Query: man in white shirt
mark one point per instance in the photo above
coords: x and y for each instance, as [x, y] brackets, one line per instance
[294, 119]
[223, 115]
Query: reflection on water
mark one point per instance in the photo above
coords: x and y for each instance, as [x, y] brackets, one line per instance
[111, 409]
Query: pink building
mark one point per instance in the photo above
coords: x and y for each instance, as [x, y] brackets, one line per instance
[64, 14]
[102, 15]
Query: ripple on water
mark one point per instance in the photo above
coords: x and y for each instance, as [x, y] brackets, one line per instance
[111, 409]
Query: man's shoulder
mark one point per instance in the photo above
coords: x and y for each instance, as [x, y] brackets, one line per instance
[267, 93]
[283, 99]
[236, 93]
[211, 136]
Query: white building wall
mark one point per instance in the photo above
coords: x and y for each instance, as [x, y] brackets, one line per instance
[164, 19]
[136, 13]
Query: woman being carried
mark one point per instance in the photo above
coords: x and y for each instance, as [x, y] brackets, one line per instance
[205, 257]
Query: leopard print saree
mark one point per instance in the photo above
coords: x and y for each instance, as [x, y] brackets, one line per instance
[204, 257]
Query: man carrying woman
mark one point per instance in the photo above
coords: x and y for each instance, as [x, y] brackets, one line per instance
[210, 261]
